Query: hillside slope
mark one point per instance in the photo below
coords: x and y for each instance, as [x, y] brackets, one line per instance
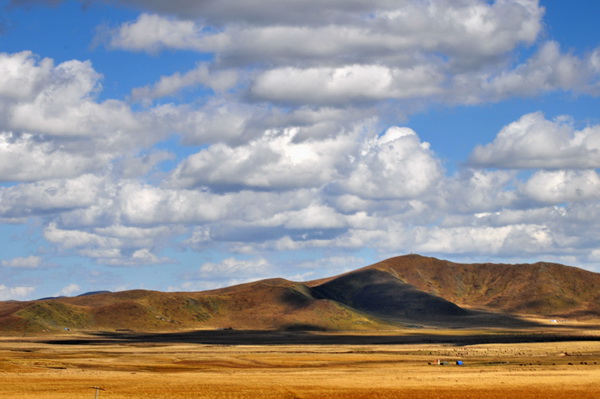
[268, 304]
[409, 289]
[545, 289]
[382, 293]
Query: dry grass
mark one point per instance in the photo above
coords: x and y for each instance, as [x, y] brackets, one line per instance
[33, 369]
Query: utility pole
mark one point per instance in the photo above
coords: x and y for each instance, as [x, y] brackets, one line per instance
[98, 389]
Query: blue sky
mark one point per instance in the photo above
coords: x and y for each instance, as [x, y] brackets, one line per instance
[192, 145]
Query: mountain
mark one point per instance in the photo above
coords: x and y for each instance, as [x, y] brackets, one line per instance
[542, 289]
[406, 290]
[382, 293]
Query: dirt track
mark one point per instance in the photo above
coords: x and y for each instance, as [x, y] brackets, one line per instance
[34, 368]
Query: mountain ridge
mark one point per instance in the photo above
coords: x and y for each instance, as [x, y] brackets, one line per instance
[558, 289]
[404, 290]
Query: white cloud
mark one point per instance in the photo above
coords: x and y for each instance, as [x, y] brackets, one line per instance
[375, 51]
[134, 233]
[62, 103]
[153, 32]
[535, 142]
[49, 196]
[21, 77]
[275, 160]
[14, 293]
[445, 50]
[216, 121]
[146, 204]
[143, 256]
[78, 239]
[229, 268]
[128, 222]
[201, 75]
[326, 267]
[347, 84]
[115, 246]
[475, 191]
[30, 262]
[315, 217]
[555, 187]
[547, 70]
[487, 240]
[131, 166]
[57, 110]
[101, 254]
[227, 121]
[26, 157]
[286, 155]
[465, 30]
[69, 290]
[394, 165]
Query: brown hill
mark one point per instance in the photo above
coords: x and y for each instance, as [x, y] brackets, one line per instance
[544, 289]
[268, 304]
[382, 293]
[407, 289]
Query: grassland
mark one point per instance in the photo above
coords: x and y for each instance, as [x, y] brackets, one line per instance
[402, 364]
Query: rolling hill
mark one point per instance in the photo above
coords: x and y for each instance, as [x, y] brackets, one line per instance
[542, 289]
[405, 290]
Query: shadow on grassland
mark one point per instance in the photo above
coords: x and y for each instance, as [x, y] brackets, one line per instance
[266, 337]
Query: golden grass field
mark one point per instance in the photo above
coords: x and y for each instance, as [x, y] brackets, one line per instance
[35, 368]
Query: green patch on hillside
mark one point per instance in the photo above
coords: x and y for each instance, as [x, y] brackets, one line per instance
[55, 315]
[202, 310]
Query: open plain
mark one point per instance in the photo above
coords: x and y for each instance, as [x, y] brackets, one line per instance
[408, 327]
[260, 364]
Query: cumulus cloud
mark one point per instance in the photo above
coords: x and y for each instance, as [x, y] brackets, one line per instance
[375, 28]
[201, 75]
[153, 32]
[52, 126]
[457, 52]
[21, 77]
[262, 12]
[77, 238]
[377, 51]
[562, 186]
[476, 190]
[490, 240]
[30, 262]
[15, 293]
[226, 121]
[548, 70]
[465, 238]
[114, 245]
[535, 142]
[56, 99]
[27, 157]
[347, 84]
[374, 50]
[273, 161]
[284, 153]
[395, 165]
[146, 204]
[140, 257]
[69, 290]
[48, 196]
[232, 269]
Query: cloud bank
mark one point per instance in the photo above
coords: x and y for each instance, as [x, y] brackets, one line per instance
[292, 124]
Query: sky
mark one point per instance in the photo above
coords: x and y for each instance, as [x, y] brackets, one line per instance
[183, 146]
